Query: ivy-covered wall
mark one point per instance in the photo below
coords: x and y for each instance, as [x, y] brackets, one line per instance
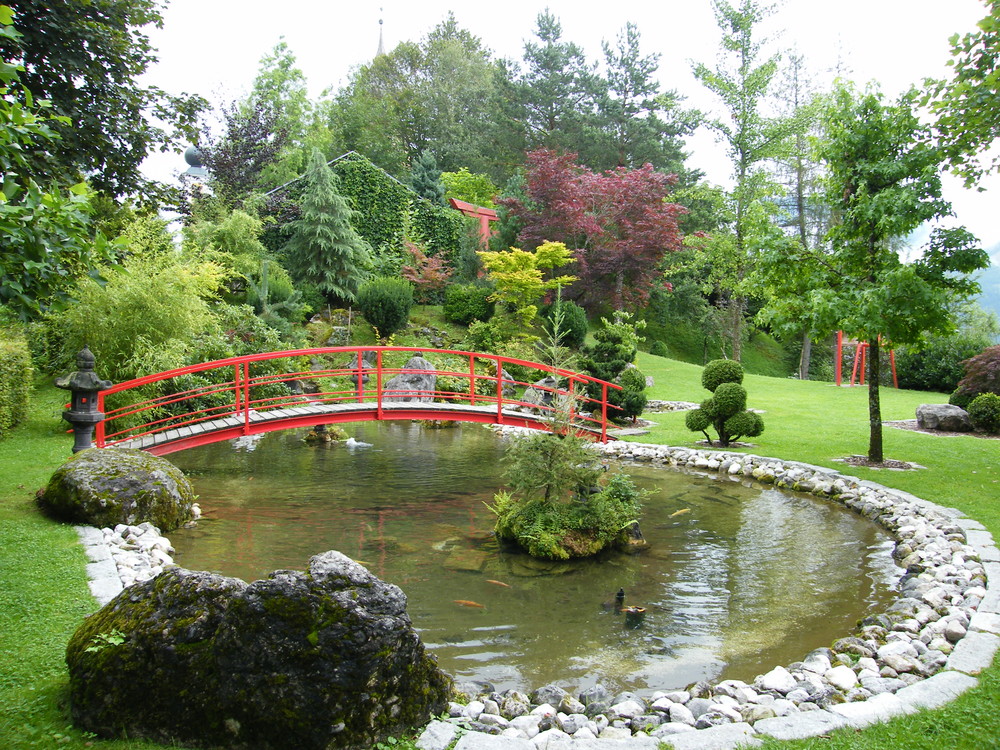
[388, 213]
[15, 381]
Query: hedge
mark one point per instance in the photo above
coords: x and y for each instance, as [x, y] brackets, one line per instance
[15, 381]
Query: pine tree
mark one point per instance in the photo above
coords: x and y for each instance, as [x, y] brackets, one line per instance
[425, 179]
[324, 248]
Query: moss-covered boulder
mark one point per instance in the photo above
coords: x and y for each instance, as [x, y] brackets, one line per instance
[109, 486]
[144, 664]
[325, 658]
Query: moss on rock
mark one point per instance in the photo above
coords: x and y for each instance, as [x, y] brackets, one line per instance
[109, 486]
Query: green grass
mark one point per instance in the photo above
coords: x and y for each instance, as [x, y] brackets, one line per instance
[43, 591]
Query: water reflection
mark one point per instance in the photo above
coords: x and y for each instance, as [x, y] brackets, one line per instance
[735, 578]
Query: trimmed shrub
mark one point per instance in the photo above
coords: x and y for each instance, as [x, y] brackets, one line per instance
[632, 398]
[984, 411]
[961, 399]
[15, 381]
[726, 410]
[385, 302]
[720, 371]
[659, 349]
[466, 303]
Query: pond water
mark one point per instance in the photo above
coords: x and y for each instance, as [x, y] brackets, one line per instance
[736, 577]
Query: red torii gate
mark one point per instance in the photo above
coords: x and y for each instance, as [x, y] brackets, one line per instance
[860, 355]
[485, 216]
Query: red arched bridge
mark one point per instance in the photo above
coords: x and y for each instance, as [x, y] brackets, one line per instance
[256, 393]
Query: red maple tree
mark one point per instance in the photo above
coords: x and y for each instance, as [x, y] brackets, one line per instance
[619, 224]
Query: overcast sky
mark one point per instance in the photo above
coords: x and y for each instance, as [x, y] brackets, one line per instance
[213, 48]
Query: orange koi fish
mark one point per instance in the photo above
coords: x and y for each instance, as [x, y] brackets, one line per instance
[467, 603]
[498, 583]
[680, 512]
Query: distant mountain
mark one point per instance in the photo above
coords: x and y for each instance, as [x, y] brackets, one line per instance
[989, 280]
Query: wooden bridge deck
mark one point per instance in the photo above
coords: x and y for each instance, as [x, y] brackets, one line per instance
[308, 415]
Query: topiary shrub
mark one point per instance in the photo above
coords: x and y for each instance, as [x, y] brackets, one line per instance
[984, 411]
[632, 398]
[659, 349]
[961, 399]
[466, 303]
[385, 302]
[720, 371]
[726, 410]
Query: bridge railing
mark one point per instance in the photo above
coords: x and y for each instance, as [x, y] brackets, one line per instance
[345, 378]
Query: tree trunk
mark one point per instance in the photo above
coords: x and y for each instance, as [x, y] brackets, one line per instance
[805, 356]
[874, 407]
[736, 306]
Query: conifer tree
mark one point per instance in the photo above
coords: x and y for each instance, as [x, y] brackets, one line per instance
[425, 179]
[324, 248]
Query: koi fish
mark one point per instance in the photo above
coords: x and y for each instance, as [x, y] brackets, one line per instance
[680, 512]
[498, 583]
[467, 603]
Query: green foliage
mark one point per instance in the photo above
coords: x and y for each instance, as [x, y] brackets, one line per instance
[617, 343]
[15, 380]
[659, 349]
[725, 411]
[961, 399]
[632, 398]
[465, 303]
[984, 411]
[721, 371]
[581, 527]
[937, 365]
[385, 302]
[88, 59]
[425, 178]
[438, 228]
[463, 185]
[324, 248]
[518, 279]
[573, 326]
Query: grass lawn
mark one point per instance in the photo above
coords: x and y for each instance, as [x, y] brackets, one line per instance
[43, 591]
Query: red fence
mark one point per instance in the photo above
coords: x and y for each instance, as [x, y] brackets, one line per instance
[257, 393]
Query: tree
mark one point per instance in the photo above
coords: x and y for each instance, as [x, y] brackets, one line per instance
[518, 278]
[619, 224]
[637, 123]
[966, 107]
[884, 183]
[324, 249]
[87, 58]
[385, 302]
[425, 178]
[742, 82]
[45, 233]
[252, 140]
[558, 88]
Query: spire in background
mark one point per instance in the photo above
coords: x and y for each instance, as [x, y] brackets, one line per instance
[381, 47]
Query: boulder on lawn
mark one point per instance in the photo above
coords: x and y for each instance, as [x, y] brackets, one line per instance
[944, 417]
[107, 486]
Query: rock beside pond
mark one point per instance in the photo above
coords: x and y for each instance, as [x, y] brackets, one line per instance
[945, 417]
[325, 658]
[110, 486]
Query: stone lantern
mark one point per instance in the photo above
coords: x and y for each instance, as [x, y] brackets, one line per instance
[84, 385]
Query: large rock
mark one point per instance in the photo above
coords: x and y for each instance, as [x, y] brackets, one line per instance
[945, 417]
[107, 486]
[416, 383]
[541, 393]
[319, 659]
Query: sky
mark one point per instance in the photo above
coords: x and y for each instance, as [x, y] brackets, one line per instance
[213, 48]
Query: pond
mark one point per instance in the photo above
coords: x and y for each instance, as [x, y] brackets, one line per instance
[736, 577]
